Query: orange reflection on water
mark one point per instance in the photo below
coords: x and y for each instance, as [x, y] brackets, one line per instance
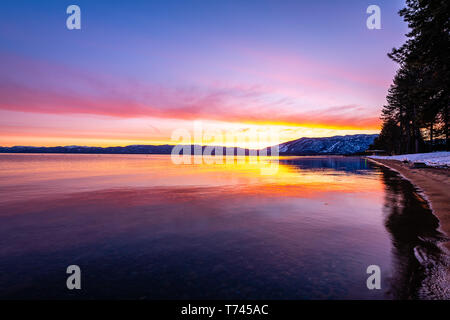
[205, 222]
[35, 175]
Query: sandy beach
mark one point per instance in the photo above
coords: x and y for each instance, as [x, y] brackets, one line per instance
[434, 184]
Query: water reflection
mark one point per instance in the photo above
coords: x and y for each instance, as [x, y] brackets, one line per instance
[421, 266]
[141, 227]
[355, 165]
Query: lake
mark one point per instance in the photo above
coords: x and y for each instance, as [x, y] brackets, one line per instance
[141, 227]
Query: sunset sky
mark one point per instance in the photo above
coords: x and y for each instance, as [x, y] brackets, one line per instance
[138, 70]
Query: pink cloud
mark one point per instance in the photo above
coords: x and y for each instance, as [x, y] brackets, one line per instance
[31, 86]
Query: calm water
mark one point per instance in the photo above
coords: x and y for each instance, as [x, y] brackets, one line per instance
[142, 227]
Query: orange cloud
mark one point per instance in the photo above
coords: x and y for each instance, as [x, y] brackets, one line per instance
[61, 90]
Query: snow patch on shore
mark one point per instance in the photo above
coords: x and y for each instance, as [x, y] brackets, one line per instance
[433, 159]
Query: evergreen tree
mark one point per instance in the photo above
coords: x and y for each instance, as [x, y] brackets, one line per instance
[418, 100]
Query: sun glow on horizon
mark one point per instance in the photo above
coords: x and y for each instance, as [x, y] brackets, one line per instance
[119, 84]
[230, 135]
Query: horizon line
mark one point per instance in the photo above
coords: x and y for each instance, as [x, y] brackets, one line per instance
[192, 144]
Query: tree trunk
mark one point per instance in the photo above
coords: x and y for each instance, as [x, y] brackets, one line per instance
[415, 131]
[431, 136]
[408, 137]
[401, 142]
[447, 141]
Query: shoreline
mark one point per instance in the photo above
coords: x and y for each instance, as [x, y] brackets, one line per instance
[434, 186]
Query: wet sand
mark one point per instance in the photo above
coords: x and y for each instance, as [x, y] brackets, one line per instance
[434, 184]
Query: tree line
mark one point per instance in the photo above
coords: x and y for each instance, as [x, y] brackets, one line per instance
[415, 118]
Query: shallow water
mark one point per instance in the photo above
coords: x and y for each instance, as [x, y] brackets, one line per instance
[140, 226]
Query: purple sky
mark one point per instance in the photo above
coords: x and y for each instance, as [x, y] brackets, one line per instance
[137, 70]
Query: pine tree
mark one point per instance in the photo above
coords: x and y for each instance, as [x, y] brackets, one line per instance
[419, 97]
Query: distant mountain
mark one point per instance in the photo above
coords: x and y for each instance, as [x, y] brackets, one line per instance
[304, 146]
[163, 149]
[344, 145]
[132, 149]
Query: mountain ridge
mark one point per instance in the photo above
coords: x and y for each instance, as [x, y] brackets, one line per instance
[348, 144]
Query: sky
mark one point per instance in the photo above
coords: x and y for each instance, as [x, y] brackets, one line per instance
[138, 71]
